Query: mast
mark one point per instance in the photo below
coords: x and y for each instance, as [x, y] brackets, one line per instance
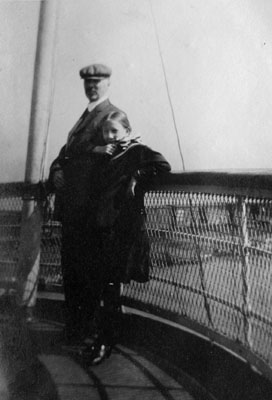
[42, 93]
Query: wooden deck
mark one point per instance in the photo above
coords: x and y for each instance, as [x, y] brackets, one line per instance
[127, 374]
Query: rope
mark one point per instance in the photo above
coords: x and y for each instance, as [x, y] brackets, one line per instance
[196, 242]
[166, 84]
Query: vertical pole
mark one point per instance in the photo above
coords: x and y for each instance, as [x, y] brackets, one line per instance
[246, 276]
[29, 254]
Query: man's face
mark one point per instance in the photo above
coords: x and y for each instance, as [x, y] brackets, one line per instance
[95, 89]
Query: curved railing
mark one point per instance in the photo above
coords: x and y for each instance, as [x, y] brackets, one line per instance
[211, 251]
[211, 238]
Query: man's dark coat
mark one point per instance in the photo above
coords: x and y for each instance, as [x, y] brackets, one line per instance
[83, 137]
[104, 237]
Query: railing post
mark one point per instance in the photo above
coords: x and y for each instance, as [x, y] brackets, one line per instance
[29, 254]
[246, 274]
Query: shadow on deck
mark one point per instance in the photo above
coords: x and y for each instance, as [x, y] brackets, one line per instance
[153, 361]
[127, 374]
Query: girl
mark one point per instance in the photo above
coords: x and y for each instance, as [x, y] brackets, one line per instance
[114, 246]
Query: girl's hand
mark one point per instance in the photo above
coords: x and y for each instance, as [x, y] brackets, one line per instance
[107, 149]
[131, 188]
[124, 142]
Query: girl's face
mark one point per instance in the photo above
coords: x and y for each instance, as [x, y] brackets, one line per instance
[113, 132]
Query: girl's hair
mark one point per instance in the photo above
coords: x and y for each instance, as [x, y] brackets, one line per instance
[118, 116]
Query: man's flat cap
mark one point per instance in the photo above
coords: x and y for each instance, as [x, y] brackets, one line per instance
[95, 71]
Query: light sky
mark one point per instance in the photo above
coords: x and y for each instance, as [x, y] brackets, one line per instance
[217, 60]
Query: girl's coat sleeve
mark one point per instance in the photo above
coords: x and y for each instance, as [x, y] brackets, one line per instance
[151, 163]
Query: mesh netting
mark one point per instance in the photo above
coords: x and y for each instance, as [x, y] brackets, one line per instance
[211, 261]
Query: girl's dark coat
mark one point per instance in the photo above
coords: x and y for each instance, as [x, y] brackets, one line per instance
[112, 217]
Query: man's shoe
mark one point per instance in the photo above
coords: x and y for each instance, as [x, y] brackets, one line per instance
[97, 353]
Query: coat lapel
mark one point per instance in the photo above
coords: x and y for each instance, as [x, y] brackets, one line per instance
[94, 113]
[75, 127]
[85, 119]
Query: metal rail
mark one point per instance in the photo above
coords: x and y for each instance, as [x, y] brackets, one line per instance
[211, 251]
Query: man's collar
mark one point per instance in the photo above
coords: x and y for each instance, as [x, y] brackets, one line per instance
[91, 106]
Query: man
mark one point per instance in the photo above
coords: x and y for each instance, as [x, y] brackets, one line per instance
[83, 138]
[69, 178]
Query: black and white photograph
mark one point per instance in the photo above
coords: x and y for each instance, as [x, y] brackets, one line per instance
[136, 200]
